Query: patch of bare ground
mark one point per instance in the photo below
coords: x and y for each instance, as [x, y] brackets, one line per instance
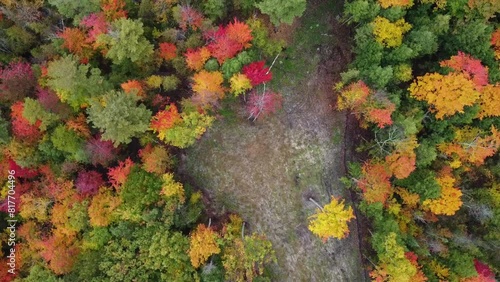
[266, 171]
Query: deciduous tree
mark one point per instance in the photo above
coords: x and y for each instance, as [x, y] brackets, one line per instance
[331, 220]
[202, 244]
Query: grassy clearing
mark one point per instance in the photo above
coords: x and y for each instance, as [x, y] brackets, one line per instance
[266, 171]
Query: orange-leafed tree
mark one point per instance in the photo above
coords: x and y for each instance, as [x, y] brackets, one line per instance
[495, 42]
[167, 51]
[75, 41]
[79, 125]
[118, 175]
[113, 9]
[133, 86]
[60, 252]
[207, 87]
[166, 119]
[331, 220]
[102, 206]
[190, 18]
[155, 159]
[239, 32]
[202, 244]
[375, 181]
[402, 159]
[195, 59]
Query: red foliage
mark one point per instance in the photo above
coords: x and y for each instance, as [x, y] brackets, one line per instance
[100, 151]
[97, 25]
[88, 182]
[226, 42]
[21, 128]
[469, 66]
[4, 263]
[263, 105]
[168, 51]
[166, 119]
[257, 73]
[160, 101]
[190, 18]
[59, 254]
[118, 175]
[22, 172]
[17, 81]
[50, 102]
[113, 9]
[495, 42]
[484, 271]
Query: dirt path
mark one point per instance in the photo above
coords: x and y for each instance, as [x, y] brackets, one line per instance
[266, 171]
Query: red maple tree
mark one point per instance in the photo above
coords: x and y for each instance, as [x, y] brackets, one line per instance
[257, 73]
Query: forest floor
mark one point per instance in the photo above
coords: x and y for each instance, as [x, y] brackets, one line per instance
[267, 170]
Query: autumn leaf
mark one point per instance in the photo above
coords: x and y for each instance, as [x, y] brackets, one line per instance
[133, 86]
[118, 175]
[202, 244]
[196, 59]
[239, 32]
[166, 119]
[190, 18]
[172, 188]
[472, 68]
[240, 84]
[257, 73]
[449, 202]
[168, 51]
[331, 220]
[207, 87]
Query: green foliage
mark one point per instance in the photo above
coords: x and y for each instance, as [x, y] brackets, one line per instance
[215, 9]
[69, 142]
[33, 111]
[39, 273]
[75, 84]
[141, 189]
[282, 11]
[422, 41]
[170, 82]
[212, 64]
[361, 10]
[126, 41]
[4, 132]
[119, 117]
[462, 263]
[261, 39]
[185, 133]
[19, 40]
[76, 9]
[422, 182]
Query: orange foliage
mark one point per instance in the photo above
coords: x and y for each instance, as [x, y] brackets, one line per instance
[60, 252]
[155, 159]
[202, 244]
[118, 175]
[113, 9]
[102, 206]
[75, 42]
[133, 86]
[495, 41]
[446, 94]
[196, 59]
[21, 127]
[207, 87]
[353, 96]
[79, 125]
[165, 119]
[168, 51]
[381, 117]
[375, 182]
[239, 32]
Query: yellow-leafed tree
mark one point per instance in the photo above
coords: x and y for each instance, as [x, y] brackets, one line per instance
[331, 220]
[202, 244]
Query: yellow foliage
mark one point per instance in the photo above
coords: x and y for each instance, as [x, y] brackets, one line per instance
[393, 265]
[34, 207]
[239, 84]
[353, 96]
[207, 87]
[102, 207]
[202, 244]
[403, 72]
[395, 3]
[446, 94]
[154, 81]
[441, 271]
[449, 202]
[409, 199]
[331, 221]
[172, 188]
[440, 4]
[389, 34]
[489, 101]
